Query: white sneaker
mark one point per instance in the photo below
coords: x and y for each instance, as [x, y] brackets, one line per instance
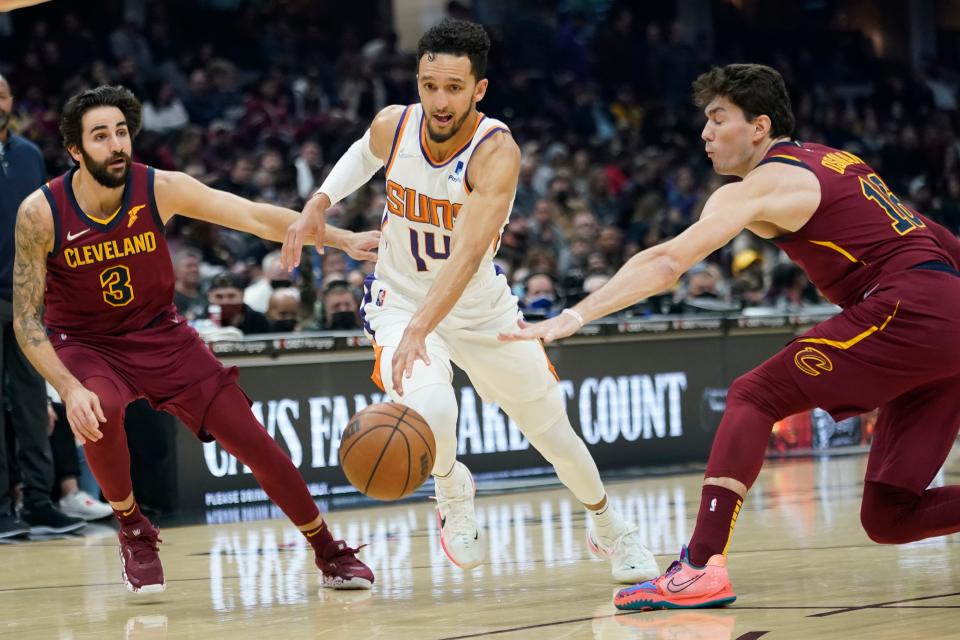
[631, 561]
[460, 535]
[81, 504]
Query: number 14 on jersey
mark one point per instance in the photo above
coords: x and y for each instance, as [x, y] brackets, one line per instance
[424, 244]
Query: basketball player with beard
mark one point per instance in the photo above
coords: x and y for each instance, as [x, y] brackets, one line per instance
[436, 296]
[93, 311]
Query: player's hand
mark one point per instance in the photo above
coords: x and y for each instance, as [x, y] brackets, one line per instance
[412, 347]
[559, 326]
[84, 414]
[311, 224]
[360, 246]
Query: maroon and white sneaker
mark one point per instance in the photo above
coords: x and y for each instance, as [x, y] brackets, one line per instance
[341, 568]
[139, 557]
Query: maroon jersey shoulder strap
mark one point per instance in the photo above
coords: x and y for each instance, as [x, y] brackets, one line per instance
[785, 153]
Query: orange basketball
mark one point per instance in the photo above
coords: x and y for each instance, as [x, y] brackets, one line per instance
[387, 451]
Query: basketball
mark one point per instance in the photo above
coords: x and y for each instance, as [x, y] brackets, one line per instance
[387, 451]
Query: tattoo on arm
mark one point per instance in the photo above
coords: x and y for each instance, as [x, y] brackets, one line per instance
[29, 274]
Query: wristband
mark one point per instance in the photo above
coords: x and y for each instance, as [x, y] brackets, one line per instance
[576, 315]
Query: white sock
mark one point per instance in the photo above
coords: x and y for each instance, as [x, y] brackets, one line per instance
[607, 522]
[455, 482]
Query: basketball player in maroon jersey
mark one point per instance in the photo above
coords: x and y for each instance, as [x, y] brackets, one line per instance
[93, 311]
[895, 345]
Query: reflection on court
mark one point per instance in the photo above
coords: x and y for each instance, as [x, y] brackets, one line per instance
[800, 564]
[260, 566]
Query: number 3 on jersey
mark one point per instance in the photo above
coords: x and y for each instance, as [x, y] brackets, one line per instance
[904, 220]
[115, 281]
[426, 247]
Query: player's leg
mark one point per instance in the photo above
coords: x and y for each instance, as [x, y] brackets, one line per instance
[755, 401]
[232, 424]
[847, 365]
[180, 375]
[109, 461]
[429, 392]
[913, 436]
[520, 379]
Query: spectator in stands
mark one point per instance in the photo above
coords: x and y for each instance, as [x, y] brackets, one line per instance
[187, 296]
[162, 110]
[290, 93]
[226, 291]
[272, 277]
[540, 297]
[283, 309]
[340, 307]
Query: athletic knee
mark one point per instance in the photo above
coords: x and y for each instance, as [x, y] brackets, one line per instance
[884, 512]
[536, 417]
[748, 389]
[111, 402]
[769, 390]
[558, 443]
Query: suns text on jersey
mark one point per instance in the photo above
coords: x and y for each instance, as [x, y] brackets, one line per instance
[418, 207]
[110, 249]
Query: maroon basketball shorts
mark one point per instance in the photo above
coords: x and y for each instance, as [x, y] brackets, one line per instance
[899, 350]
[167, 363]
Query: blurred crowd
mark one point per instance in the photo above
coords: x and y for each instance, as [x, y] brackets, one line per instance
[261, 98]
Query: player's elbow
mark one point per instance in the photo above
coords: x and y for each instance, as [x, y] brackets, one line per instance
[667, 269]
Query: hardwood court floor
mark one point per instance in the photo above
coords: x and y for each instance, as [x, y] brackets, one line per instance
[800, 563]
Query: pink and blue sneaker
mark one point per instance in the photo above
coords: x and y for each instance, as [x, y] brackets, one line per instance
[683, 586]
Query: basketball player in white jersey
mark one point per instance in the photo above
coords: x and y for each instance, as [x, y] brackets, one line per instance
[437, 298]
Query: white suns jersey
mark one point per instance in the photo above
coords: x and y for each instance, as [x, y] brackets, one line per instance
[423, 200]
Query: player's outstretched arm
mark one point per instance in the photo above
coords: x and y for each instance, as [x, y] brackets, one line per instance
[178, 193]
[353, 170]
[495, 169]
[777, 194]
[34, 240]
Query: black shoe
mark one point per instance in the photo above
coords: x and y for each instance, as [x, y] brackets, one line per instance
[46, 520]
[12, 527]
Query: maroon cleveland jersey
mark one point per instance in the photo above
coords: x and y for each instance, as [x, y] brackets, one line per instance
[107, 276]
[859, 232]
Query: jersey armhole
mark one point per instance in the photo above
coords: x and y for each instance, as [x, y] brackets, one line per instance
[466, 172]
[152, 200]
[401, 126]
[54, 212]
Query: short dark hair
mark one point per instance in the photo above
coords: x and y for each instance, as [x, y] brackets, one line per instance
[755, 88]
[459, 38]
[71, 128]
[336, 286]
[227, 280]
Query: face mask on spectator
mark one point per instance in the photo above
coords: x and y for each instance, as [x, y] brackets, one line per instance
[281, 326]
[343, 320]
[543, 303]
[230, 311]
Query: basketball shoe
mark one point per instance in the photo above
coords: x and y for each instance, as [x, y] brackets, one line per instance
[139, 557]
[460, 535]
[340, 567]
[630, 561]
[683, 586]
